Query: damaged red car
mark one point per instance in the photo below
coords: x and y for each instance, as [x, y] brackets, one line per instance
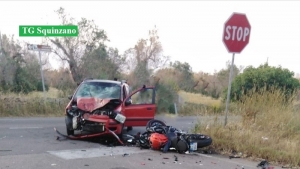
[100, 107]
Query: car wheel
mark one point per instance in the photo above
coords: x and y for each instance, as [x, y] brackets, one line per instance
[129, 128]
[69, 132]
[68, 121]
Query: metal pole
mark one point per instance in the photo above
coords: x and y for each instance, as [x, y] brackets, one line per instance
[175, 108]
[229, 89]
[42, 73]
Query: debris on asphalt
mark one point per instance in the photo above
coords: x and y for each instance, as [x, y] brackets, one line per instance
[111, 151]
[263, 164]
[53, 164]
[176, 159]
[83, 150]
[125, 154]
[86, 165]
[163, 163]
[150, 159]
[235, 156]
[61, 138]
[166, 158]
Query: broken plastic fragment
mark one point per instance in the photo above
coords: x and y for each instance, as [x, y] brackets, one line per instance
[176, 159]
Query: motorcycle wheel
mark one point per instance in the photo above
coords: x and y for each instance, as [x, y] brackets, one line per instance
[155, 122]
[202, 140]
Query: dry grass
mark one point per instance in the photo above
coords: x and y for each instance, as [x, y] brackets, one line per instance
[33, 104]
[198, 98]
[270, 129]
[51, 93]
[197, 104]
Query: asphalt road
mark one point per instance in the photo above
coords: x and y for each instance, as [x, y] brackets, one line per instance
[28, 143]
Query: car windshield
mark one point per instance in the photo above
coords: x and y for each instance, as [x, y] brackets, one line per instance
[100, 90]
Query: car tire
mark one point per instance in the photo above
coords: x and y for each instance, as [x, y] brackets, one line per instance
[68, 121]
[69, 132]
[129, 128]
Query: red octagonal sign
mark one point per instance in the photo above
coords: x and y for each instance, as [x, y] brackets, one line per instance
[236, 33]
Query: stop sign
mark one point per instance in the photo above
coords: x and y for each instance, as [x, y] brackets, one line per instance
[236, 33]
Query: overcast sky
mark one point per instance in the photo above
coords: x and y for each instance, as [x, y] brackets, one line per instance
[190, 31]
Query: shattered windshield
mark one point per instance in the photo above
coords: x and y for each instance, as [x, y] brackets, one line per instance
[100, 90]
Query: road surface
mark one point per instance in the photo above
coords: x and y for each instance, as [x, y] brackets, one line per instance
[29, 143]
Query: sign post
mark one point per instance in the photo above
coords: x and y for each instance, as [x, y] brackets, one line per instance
[236, 35]
[40, 48]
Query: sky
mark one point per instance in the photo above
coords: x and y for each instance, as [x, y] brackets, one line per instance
[190, 31]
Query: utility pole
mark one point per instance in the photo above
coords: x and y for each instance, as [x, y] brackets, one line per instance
[40, 48]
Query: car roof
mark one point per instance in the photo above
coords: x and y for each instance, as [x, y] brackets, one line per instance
[104, 81]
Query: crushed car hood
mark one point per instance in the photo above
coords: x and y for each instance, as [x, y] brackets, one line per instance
[90, 104]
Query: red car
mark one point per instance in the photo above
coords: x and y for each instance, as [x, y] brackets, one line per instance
[100, 107]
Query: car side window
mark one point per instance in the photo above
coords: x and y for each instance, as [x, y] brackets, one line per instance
[143, 97]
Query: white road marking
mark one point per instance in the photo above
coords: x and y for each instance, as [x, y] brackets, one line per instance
[25, 128]
[96, 152]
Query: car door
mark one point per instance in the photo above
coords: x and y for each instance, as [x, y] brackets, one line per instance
[140, 107]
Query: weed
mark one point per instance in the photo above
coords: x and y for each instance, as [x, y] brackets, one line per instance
[269, 129]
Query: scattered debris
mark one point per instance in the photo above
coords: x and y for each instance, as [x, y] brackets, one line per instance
[166, 158]
[53, 164]
[125, 154]
[83, 150]
[60, 139]
[263, 164]
[86, 165]
[5, 150]
[143, 164]
[176, 159]
[235, 156]
[163, 163]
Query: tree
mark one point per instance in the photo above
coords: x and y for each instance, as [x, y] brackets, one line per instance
[185, 75]
[145, 57]
[102, 63]
[18, 67]
[264, 77]
[223, 74]
[72, 49]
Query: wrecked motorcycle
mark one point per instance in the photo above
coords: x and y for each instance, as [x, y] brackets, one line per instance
[158, 134]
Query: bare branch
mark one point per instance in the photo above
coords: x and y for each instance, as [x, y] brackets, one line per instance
[58, 44]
